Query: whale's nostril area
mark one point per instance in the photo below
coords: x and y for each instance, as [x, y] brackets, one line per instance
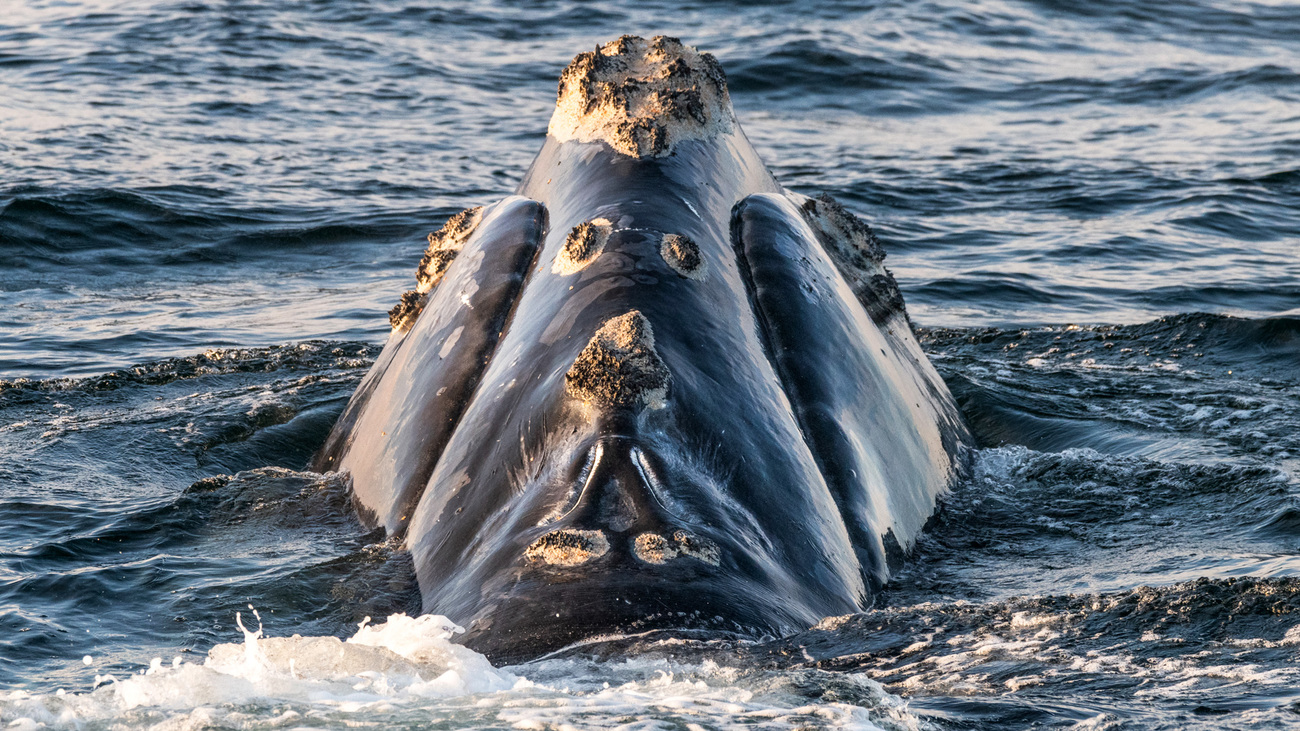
[568, 547]
[616, 489]
[657, 549]
[618, 510]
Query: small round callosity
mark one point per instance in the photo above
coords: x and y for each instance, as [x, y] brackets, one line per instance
[582, 246]
[568, 547]
[619, 367]
[682, 255]
[653, 548]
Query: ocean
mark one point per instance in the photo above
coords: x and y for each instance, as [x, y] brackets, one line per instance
[1093, 211]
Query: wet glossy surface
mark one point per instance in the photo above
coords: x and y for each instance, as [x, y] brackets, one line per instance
[739, 478]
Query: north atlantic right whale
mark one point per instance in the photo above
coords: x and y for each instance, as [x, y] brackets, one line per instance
[652, 389]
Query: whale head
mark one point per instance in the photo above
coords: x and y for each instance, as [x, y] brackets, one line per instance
[652, 389]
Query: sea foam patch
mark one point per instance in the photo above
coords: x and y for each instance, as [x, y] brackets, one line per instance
[405, 660]
[407, 671]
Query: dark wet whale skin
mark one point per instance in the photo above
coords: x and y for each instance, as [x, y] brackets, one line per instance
[804, 439]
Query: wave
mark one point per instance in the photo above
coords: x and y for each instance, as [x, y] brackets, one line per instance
[1197, 338]
[1173, 657]
[309, 355]
[171, 571]
[107, 231]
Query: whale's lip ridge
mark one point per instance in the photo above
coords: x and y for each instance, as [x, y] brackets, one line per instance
[642, 97]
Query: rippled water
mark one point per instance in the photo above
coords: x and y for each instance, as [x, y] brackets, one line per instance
[206, 209]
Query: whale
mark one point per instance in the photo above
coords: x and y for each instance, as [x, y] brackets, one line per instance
[651, 390]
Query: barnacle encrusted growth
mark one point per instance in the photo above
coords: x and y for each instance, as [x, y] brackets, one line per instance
[444, 245]
[619, 367]
[656, 549]
[403, 314]
[682, 255]
[642, 97]
[857, 253]
[568, 547]
[582, 246]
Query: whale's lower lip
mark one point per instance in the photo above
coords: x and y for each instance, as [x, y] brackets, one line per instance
[623, 583]
[549, 608]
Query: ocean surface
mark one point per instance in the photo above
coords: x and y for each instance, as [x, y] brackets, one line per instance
[1093, 209]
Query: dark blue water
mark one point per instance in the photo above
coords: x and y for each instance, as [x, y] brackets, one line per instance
[1093, 210]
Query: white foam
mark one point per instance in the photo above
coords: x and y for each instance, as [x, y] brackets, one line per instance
[404, 660]
[407, 672]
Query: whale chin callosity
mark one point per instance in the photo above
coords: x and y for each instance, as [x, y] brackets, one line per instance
[652, 389]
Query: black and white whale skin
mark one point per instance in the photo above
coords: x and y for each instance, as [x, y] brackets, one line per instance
[652, 389]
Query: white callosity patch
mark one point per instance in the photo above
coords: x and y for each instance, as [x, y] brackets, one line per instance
[582, 246]
[619, 367]
[656, 549]
[568, 547]
[642, 97]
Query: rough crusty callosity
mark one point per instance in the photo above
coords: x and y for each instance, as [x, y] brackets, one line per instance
[656, 549]
[682, 255]
[619, 367]
[568, 547]
[642, 97]
[582, 246]
[856, 252]
[444, 245]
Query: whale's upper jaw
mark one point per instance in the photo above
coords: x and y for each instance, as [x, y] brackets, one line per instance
[642, 97]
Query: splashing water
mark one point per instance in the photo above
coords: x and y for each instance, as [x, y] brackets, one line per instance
[406, 669]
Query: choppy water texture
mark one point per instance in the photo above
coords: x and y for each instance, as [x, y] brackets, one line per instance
[206, 208]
